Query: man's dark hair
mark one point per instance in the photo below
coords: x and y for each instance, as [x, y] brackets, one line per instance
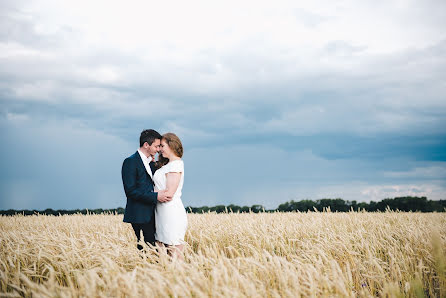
[148, 135]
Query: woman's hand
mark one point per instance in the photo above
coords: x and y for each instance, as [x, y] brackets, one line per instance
[163, 196]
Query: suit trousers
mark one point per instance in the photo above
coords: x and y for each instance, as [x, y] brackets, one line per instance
[148, 231]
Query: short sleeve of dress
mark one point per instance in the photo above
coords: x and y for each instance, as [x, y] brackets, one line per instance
[176, 166]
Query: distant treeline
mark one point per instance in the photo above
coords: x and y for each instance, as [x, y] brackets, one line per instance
[421, 204]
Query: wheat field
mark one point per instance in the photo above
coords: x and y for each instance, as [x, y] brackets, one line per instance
[355, 254]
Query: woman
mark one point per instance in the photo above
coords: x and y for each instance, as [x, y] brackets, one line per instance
[170, 217]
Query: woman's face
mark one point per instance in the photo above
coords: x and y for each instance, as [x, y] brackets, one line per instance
[165, 149]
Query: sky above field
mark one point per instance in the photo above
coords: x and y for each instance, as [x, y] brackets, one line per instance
[273, 102]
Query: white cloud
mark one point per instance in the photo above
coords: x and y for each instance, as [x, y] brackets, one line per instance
[431, 191]
[436, 171]
[17, 50]
[373, 79]
[15, 117]
[39, 90]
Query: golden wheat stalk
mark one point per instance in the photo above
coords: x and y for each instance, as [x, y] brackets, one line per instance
[256, 255]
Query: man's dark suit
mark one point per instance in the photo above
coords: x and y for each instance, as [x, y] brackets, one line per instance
[141, 200]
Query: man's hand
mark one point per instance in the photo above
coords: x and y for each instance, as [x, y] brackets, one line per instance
[162, 196]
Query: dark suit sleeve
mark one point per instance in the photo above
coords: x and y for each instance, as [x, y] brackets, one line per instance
[131, 188]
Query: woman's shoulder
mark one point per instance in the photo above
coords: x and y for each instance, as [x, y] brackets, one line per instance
[176, 165]
[176, 162]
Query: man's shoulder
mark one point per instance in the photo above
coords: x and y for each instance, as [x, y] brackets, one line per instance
[134, 155]
[132, 158]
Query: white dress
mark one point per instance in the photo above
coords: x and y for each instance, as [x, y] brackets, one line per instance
[170, 217]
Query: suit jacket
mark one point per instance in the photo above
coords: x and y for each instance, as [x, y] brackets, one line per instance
[138, 188]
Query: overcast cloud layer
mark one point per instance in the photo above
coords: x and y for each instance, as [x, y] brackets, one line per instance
[272, 102]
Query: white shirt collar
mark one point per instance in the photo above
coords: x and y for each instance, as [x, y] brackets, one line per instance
[146, 162]
[144, 157]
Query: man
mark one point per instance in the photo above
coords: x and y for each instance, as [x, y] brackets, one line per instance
[137, 178]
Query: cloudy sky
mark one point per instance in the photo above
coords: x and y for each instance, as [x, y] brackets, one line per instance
[273, 102]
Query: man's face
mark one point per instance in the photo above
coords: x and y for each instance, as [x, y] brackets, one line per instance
[154, 148]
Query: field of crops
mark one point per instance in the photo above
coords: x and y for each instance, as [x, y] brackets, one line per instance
[232, 255]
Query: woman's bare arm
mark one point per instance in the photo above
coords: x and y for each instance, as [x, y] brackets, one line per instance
[173, 180]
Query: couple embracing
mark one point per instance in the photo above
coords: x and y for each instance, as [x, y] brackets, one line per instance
[153, 191]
